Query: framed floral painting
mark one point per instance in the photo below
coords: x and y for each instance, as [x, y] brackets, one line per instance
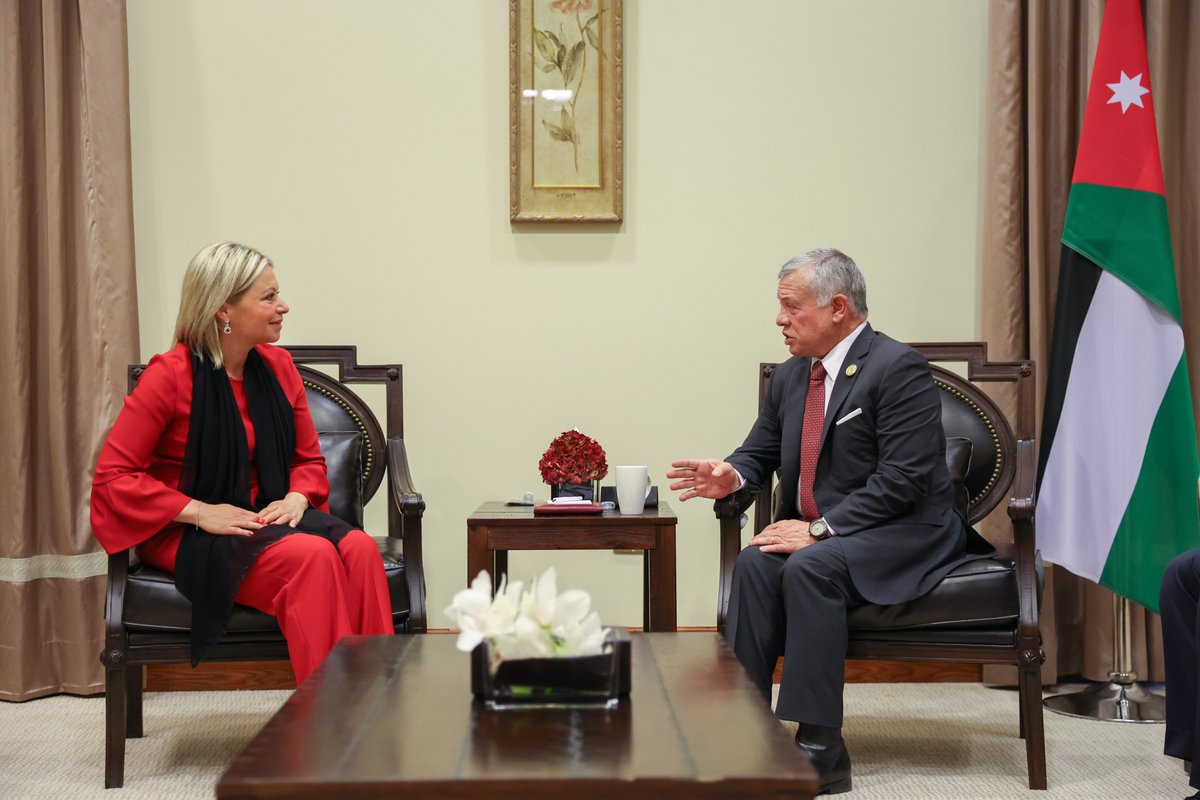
[566, 151]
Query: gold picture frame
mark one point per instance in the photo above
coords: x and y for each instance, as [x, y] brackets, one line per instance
[566, 117]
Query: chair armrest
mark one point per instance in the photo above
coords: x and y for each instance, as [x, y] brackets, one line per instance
[405, 511]
[729, 511]
[407, 499]
[114, 609]
[1021, 508]
[734, 505]
[1021, 504]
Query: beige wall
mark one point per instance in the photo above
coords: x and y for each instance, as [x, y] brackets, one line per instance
[363, 145]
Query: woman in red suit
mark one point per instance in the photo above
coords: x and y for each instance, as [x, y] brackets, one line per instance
[213, 472]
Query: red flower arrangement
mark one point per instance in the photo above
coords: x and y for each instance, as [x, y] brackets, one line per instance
[573, 458]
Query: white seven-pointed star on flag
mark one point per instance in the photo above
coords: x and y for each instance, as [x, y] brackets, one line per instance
[1128, 92]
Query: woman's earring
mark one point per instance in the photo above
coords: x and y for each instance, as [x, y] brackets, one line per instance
[227, 330]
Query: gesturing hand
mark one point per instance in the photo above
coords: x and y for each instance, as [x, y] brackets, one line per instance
[286, 511]
[707, 478]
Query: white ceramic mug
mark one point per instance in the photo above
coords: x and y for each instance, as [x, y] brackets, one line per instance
[633, 487]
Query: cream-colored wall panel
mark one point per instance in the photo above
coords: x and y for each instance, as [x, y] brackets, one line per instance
[363, 145]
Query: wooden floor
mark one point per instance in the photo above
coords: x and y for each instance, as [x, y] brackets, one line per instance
[217, 675]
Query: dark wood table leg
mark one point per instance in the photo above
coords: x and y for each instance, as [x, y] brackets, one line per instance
[658, 595]
[647, 595]
[479, 558]
[500, 558]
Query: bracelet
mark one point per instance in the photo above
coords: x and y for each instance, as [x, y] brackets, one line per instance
[198, 504]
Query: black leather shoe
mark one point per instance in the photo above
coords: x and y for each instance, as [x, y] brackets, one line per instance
[825, 749]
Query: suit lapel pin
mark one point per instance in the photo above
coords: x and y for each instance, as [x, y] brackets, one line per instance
[850, 370]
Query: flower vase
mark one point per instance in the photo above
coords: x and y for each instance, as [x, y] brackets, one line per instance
[564, 682]
[589, 491]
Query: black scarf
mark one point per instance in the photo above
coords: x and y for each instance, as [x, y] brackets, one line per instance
[216, 469]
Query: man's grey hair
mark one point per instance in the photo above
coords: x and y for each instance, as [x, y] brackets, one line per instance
[828, 272]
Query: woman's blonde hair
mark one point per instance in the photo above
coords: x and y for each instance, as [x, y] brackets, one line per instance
[218, 274]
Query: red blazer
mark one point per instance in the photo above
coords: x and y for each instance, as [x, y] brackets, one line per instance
[135, 494]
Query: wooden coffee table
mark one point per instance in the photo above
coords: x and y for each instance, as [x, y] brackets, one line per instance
[393, 716]
[496, 528]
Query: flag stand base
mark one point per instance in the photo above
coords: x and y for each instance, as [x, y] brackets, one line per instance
[1111, 702]
[1122, 699]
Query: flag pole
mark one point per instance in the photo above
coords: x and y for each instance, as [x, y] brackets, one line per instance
[1123, 698]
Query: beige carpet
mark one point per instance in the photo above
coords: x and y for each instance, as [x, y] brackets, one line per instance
[910, 741]
[960, 741]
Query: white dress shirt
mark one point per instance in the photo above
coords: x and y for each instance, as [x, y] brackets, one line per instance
[834, 358]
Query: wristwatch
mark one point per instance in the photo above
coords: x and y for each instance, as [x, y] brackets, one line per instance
[819, 529]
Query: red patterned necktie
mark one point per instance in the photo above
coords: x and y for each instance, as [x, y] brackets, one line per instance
[810, 439]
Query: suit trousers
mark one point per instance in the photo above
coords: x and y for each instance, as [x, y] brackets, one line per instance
[1179, 606]
[795, 606]
[319, 593]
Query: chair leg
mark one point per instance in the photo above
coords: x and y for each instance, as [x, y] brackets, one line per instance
[1021, 707]
[114, 726]
[1033, 725]
[133, 695]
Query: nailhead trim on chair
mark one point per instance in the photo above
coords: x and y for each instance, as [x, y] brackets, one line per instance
[370, 467]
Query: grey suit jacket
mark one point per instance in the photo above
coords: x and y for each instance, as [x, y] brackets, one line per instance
[881, 479]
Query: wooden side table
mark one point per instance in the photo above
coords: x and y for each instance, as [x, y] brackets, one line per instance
[495, 528]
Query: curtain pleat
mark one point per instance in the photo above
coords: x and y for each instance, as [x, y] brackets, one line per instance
[1040, 57]
[68, 326]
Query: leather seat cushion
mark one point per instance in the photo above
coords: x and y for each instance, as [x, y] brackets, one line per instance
[154, 605]
[1005, 636]
[978, 594]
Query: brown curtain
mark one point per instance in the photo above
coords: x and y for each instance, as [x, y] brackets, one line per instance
[68, 312]
[1040, 55]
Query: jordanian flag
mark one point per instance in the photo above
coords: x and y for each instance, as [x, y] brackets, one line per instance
[1118, 473]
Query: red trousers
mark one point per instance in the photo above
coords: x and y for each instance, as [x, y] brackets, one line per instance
[319, 593]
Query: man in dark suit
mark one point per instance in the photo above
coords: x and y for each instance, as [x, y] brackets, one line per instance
[852, 423]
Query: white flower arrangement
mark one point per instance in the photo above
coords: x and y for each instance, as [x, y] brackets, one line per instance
[516, 624]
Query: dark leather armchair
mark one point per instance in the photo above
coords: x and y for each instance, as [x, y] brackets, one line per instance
[986, 611]
[148, 621]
